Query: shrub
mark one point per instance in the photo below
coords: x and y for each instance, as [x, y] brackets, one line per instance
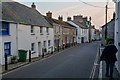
[109, 39]
[14, 58]
[45, 50]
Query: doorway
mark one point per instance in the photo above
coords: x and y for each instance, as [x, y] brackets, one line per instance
[39, 48]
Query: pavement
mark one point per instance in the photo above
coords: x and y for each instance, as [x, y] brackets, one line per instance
[75, 62]
[116, 74]
[20, 64]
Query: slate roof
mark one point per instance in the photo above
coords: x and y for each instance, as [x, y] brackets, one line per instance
[63, 23]
[79, 24]
[14, 11]
[112, 20]
[50, 20]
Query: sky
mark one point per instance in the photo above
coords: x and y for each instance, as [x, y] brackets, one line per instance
[74, 7]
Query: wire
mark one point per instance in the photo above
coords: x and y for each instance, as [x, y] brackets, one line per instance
[94, 5]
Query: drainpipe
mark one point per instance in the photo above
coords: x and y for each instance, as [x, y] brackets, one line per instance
[17, 38]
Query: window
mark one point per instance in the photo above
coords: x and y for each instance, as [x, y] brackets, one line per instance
[4, 30]
[44, 44]
[32, 29]
[49, 43]
[47, 30]
[55, 30]
[41, 30]
[71, 31]
[33, 47]
[7, 48]
[59, 29]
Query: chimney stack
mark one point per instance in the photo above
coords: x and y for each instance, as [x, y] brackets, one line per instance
[68, 18]
[33, 6]
[60, 18]
[114, 15]
[49, 14]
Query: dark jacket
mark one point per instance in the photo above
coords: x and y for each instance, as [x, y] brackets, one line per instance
[109, 53]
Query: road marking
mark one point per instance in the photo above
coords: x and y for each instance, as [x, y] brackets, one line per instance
[94, 65]
[100, 70]
[37, 61]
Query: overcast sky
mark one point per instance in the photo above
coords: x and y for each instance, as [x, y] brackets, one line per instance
[74, 7]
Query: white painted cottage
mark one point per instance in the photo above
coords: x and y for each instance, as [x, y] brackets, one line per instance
[82, 31]
[23, 27]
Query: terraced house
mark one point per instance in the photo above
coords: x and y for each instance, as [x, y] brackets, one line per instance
[82, 29]
[64, 33]
[24, 28]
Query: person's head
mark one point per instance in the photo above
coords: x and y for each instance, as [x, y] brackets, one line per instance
[110, 42]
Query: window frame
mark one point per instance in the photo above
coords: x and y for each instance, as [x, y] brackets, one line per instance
[7, 28]
[49, 42]
[55, 29]
[32, 29]
[32, 46]
[47, 30]
[41, 30]
[59, 29]
[7, 43]
[44, 44]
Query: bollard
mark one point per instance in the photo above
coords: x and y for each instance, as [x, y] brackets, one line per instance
[6, 65]
[29, 55]
[51, 50]
[58, 48]
[63, 47]
[43, 55]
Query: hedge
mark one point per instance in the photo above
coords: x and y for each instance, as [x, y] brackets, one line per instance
[109, 39]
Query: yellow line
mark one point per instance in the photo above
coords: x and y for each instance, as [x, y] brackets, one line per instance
[94, 72]
[91, 72]
[12, 12]
[94, 66]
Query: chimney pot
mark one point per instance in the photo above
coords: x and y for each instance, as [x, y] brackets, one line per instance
[49, 14]
[69, 19]
[33, 6]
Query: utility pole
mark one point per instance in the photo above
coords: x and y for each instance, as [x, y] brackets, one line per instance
[89, 29]
[106, 10]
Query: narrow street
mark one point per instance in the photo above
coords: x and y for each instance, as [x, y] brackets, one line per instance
[75, 62]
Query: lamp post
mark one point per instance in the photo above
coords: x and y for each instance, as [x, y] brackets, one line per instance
[106, 21]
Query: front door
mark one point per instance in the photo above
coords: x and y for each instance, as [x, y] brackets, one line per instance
[39, 48]
[65, 40]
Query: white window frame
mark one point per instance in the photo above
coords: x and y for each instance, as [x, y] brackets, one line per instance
[44, 44]
[32, 46]
[47, 30]
[32, 29]
[49, 42]
[41, 30]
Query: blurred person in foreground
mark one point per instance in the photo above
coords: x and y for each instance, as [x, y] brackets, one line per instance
[109, 56]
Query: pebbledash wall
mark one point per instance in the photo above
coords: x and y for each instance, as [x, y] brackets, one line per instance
[20, 37]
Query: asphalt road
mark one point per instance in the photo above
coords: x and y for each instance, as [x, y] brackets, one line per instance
[76, 62]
